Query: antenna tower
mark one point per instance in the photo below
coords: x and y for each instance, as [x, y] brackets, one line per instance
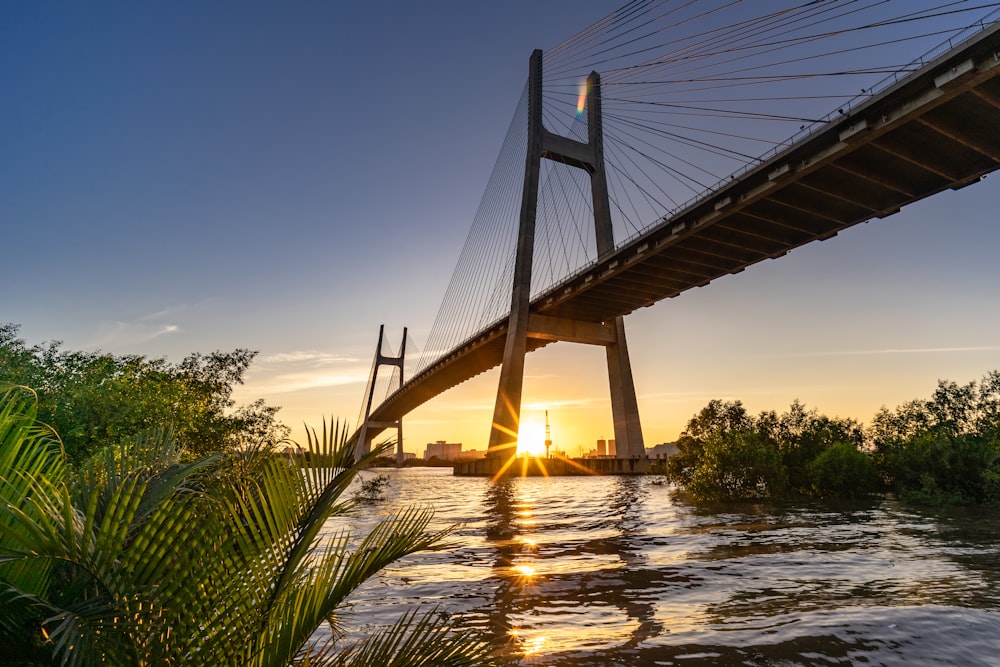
[548, 435]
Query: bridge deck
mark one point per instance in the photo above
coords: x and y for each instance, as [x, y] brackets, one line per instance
[936, 129]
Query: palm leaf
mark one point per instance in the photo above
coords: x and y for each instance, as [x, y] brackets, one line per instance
[135, 558]
[416, 641]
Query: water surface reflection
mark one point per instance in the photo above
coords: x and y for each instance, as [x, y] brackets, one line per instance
[612, 571]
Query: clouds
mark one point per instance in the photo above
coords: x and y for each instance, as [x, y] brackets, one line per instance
[135, 333]
[895, 351]
[302, 370]
[305, 357]
[116, 334]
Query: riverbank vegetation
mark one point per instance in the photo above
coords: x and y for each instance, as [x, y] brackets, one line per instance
[92, 399]
[943, 450]
[137, 555]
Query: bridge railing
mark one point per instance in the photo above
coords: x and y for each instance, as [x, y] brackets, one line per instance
[817, 125]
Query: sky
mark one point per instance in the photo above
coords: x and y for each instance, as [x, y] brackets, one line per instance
[285, 177]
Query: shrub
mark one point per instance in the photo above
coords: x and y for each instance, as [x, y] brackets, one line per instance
[843, 471]
[738, 465]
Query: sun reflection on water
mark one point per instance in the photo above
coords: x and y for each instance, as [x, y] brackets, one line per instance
[528, 544]
[529, 645]
[524, 570]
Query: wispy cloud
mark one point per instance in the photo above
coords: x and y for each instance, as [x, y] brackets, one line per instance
[175, 311]
[897, 350]
[582, 402]
[121, 334]
[300, 370]
[305, 357]
[290, 382]
[927, 350]
[117, 334]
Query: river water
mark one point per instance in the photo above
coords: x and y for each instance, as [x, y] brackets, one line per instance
[614, 571]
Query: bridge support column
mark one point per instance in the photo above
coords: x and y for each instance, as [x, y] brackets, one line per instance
[624, 406]
[364, 443]
[522, 324]
[507, 409]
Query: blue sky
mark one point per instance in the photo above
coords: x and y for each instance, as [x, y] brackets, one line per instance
[181, 177]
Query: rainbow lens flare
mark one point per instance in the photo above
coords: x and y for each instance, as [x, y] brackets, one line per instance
[581, 101]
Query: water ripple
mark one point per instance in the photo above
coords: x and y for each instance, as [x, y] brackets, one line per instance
[614, 571]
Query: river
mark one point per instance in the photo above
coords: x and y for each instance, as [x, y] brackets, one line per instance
[614, 571]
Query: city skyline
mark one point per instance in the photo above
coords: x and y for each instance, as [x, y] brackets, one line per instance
[177, 185]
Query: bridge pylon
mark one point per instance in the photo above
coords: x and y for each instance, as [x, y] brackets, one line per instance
[523, 324]
[364, 443]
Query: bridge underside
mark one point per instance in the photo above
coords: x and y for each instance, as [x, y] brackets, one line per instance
[939, 128]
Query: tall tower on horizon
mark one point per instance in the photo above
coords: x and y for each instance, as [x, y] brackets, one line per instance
[548, 435]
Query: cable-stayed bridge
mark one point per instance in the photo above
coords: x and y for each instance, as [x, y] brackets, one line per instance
[633, 171]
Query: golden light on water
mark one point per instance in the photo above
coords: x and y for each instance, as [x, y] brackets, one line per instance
[525, 570]
[535, 645]
[529, 646]
[542, 632]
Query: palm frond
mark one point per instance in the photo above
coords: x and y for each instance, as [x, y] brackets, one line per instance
[139, 558]
[426, 639]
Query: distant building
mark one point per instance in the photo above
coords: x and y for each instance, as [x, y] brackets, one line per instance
[662, 451]
[605, 449]
[409, 456]
[445, 451]
[471, 455]
[293, 451]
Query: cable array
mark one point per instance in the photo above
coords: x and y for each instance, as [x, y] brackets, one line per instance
[694, 92]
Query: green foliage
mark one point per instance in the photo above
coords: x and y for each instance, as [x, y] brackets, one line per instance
[942, 450]
[372, 489]
[843, 471]
[137, 557]
[738, 465]
[946, 449]
[727, 454]
[717, 419]
[92, 399]
[803, 435]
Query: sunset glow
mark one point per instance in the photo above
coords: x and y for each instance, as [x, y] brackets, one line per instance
[531, 439]
[708, 343]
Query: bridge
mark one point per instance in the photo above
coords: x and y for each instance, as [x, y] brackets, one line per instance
[930, 126]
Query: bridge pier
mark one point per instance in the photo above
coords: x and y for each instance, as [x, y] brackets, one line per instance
[532, 466]
[624, 406]
[523, 324]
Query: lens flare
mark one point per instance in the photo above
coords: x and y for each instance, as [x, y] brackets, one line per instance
[581, 101]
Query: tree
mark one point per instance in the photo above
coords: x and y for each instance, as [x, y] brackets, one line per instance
[716, 419]
[803, 435]
[727, 454]
[946, 449]
[93, 398]
[739, 465]
[843, 471]
[138, 557]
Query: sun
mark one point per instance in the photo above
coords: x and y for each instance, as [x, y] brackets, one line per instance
[531, 438]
